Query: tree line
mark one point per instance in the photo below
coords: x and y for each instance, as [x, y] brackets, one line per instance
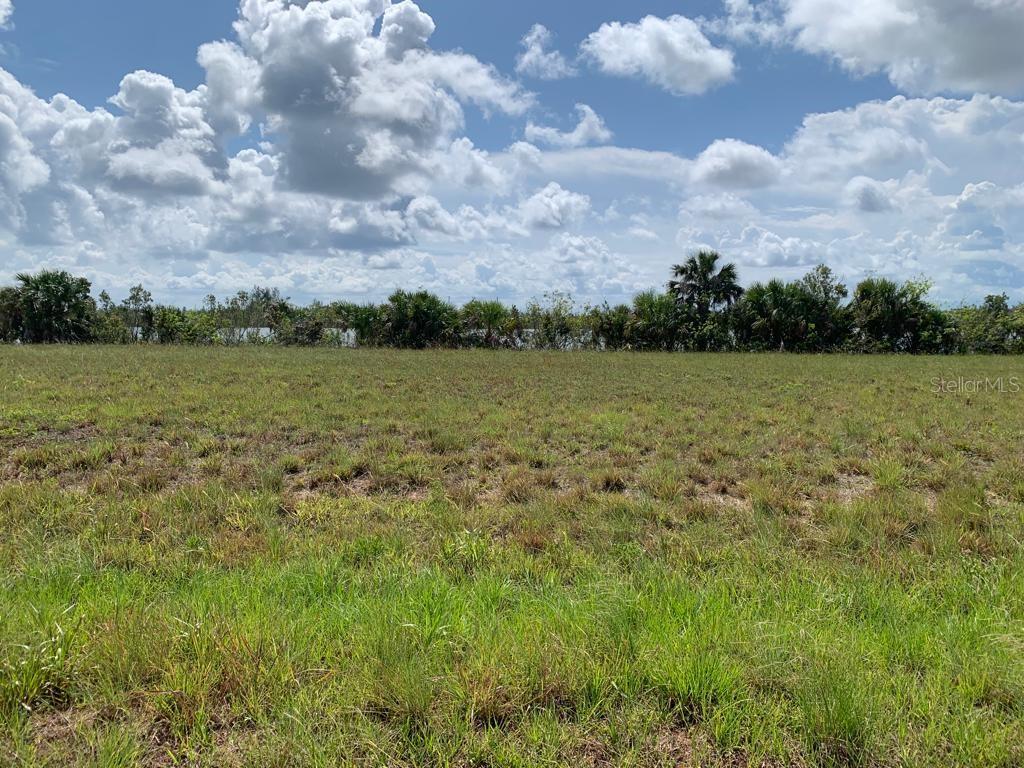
[703, 308]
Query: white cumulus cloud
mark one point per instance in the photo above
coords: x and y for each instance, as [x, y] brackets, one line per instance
[923, 46]
[672, 53]
[358, 114]
[736, 164]
[554, 207]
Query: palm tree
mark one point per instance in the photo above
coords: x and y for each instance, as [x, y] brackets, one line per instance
[773, 315]
[702, 287]
[56, 307]
[487, 317]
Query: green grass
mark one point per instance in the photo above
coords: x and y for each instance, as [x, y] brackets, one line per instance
[276, 557]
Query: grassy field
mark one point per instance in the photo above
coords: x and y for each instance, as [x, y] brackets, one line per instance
[266, 557]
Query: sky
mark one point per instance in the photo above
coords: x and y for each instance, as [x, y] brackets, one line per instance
[340, 149]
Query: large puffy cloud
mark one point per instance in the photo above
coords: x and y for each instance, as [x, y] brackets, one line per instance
[156, 110]
[358, 114]
[757, 246]
[589, 130]
[923, 46]
[405, 27]
[985, 217]
[736, 164]
[160, 144]
[163, 143]
[554, 207]
[170, 167]
[256, 215]
[464, 166]
[550, 208]
[261, 216]
[45, 148]
[21, 171]
[955, 141]
[672, 53]
[230, 93]
[429, 219]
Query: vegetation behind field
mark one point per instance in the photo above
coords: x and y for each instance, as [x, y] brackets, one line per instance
[703, 309]
[267, 557]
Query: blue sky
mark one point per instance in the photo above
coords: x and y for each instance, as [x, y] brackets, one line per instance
[341, 148]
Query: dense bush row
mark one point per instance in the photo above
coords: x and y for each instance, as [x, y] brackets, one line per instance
[703, 308]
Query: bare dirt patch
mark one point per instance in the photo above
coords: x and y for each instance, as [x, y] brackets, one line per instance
[849, 487]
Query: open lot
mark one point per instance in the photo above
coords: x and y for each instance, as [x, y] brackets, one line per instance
[272, 557]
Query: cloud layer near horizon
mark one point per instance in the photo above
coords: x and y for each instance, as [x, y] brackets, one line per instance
[358, 173]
